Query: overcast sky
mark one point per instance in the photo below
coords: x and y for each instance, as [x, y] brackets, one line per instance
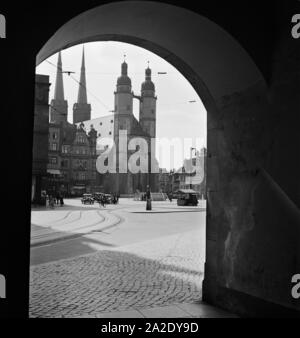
[176, 116]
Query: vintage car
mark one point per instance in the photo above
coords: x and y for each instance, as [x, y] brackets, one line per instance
[187, 197]
[87, 199]
[100, 196]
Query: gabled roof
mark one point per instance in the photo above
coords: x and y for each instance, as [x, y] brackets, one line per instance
[68, 134]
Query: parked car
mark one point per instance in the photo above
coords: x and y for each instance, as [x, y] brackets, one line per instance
[87, 199]
[98, 196]
[187, 197]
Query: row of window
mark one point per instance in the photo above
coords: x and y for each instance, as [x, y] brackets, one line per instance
[79, 176]
[66, 149]
[77, 163]
[83, 176]
[81, 139]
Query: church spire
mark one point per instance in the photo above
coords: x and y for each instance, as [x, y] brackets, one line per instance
[82, 109]
[82, 96]
[59, 84]
[59, 106]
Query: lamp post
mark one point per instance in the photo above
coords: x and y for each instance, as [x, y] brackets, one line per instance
[148, 190]
[191, 166]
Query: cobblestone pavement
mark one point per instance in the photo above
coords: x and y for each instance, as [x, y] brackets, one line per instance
[146, 274]
[147, 261]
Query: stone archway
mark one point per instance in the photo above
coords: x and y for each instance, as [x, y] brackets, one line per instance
[234, 94]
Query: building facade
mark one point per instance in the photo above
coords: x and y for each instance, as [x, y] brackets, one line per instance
[71, 148]
[124, 181]
[174, 180]
[197, 179]
[40, 138]
[145, 129]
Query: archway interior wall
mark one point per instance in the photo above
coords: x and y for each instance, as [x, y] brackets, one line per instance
[232, 68]
[234, 94]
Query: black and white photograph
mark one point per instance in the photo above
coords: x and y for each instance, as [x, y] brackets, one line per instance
[152, 164]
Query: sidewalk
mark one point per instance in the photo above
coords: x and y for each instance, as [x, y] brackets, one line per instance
[179, 310]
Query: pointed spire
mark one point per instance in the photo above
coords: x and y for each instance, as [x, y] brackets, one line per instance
[59, 84]
[148, 72]
[82, 96]
[124, 67]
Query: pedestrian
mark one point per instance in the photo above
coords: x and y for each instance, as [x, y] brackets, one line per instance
[51, 202]
[57, 197]
[61, 200]
[148, 199]
[102, 201]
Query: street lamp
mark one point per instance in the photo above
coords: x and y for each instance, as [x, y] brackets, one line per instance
[191, 166]
[148, 190]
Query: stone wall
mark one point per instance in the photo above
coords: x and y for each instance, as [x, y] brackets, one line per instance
[253, 220]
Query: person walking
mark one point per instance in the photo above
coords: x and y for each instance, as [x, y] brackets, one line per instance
[51, 201]
[102, 201]
[61, 199]
[148, 199]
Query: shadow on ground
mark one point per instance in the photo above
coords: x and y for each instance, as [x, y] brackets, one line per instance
[112, 280]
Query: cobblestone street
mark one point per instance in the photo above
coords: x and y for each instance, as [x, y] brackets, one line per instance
[158, 271]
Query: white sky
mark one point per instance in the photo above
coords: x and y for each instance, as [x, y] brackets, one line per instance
[176, 117]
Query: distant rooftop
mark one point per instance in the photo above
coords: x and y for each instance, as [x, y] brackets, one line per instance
[104, 125]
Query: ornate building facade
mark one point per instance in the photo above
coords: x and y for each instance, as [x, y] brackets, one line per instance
[144, 129]
[73, 149]
[124, 181]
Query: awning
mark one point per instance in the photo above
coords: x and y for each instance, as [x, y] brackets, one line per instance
[187, 191]
[53, 171]
[197, 179]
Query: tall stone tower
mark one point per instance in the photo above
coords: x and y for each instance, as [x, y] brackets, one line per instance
[147, 119]
[123, 102]
[82, 109]
[123, 118]
[148, 105]
[59, 106]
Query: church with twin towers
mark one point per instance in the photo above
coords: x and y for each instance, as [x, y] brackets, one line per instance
[73, 149]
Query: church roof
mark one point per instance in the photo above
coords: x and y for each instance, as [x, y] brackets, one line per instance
[104, 125]
[124, 79]
[148, 84]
